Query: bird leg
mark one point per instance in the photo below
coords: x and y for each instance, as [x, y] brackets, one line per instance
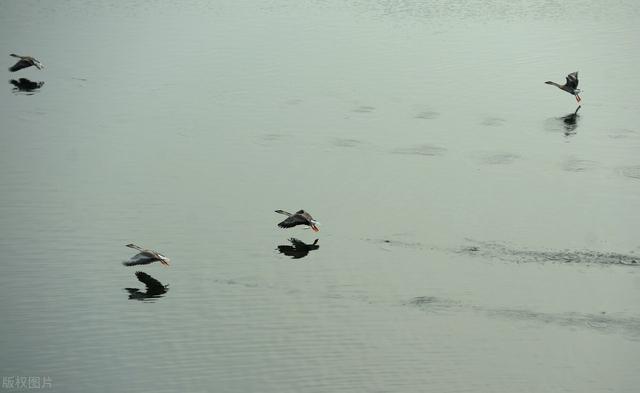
[578, 99]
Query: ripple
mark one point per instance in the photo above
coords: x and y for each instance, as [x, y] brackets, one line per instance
[421, 150]
[629, 326]
[493, 122]
[576, 165]
[427, 115]
[623, 133]
[495, 250]
[364, 109]
[632, 172]
[498, 158]
[346, 142]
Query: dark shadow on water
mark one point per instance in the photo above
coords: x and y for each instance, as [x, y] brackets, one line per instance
[154, 288]
[298, 249]
[567, 123]
[24, 85]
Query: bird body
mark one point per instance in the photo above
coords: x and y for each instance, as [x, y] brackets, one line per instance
[571, 85]
[301, 217]
[146, 256]
[25, 62]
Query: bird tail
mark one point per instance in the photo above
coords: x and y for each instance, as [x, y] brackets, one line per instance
[284, 212]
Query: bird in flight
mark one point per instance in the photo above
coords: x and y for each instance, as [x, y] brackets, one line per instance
[300, 218]
[144, 257]
[25, 62]
[570, 87]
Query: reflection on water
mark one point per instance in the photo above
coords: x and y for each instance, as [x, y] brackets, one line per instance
[298, 249]
[571, 122]
[26, 86]
[567, 123]
[154, 289]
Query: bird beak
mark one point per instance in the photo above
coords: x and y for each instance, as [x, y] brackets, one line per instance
[315, 228]
[165, 263]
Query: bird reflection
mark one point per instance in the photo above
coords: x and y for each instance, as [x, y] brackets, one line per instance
[25, 85]
[571, 122]
[154, 288]
[298, 249]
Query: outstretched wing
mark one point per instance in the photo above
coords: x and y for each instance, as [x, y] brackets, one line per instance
[293, 221]
[20, 65]
[572, 80]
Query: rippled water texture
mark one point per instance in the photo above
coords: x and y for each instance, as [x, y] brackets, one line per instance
[478, 234]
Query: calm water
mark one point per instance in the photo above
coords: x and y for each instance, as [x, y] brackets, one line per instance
[474, 238]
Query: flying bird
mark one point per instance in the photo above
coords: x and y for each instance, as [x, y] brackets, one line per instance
[570, 87]
[300, 218]
[25, 62]
[145, 257]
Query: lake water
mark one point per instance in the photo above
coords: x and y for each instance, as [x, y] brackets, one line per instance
[475, 236]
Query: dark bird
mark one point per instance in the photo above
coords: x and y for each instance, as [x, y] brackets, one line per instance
[24, 62]
[570, 87]
[298, 249]
[24, 84]
[300, 218]
[154, 288]
[145, 257]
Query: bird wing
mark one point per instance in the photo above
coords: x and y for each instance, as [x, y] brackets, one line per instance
[131, 245]
[139, 259]
[284, 212]
[292, 221]
[20, 65]
[572, 80]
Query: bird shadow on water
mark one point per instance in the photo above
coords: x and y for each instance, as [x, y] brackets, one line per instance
[298, 249]
[25, 86]
[568, 123]
[154, 289]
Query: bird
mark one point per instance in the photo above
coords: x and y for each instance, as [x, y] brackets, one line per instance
[24, 62]
[154, 288]
[298, 249]
[300, 218]
[570, 87]
[145, 257]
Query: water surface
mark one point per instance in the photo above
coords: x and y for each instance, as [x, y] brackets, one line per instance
[475, 237]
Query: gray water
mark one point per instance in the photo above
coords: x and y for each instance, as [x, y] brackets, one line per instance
[474, 237]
